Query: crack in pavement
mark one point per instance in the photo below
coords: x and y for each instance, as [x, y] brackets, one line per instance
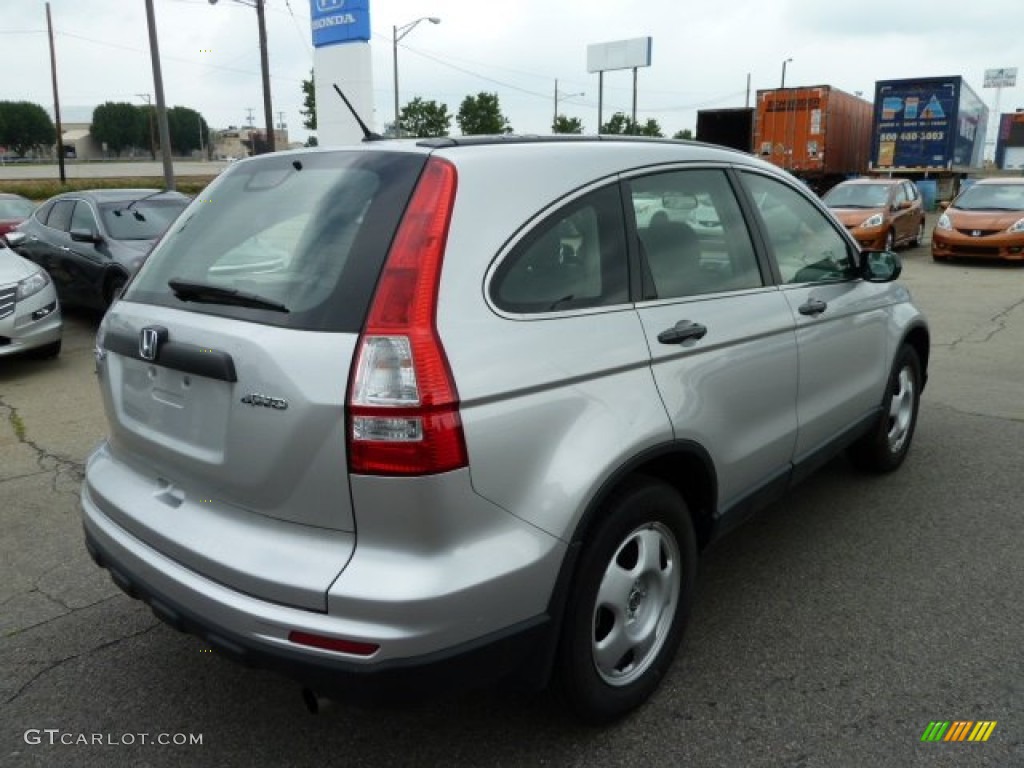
[998, 320]
[48, 462]
[60, 662]
[70, 610]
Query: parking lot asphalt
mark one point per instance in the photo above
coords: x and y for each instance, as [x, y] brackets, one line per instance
[828, 631]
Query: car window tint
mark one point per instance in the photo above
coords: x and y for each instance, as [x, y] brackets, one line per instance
[310, 233]
[692, 234]
[60, 215]
[82, 218]
[805, 244]
[899, 195]
[576, 258]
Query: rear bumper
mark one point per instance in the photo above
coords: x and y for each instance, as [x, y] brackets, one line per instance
[444, 613]
[470, 664]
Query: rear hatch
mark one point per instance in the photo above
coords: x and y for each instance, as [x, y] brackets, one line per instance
[225, 366]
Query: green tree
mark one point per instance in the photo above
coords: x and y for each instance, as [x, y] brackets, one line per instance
[308, 110]
[565, 124]
[481, 114]
[425, 119]
[686, 133]
[117, 124]
[25, 126]
[621, 124]
[186, 126]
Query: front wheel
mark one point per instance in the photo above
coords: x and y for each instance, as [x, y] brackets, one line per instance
[890, 241]
[885, 446]
[630, 601]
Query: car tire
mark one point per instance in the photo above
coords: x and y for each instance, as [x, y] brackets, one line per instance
[919, 237]
[113, 287]
[45, 352]
[885, 447]
[630, 601]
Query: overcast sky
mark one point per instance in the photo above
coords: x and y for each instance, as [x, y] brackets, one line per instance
[702, 53]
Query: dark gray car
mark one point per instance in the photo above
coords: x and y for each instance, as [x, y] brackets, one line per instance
[92, 241]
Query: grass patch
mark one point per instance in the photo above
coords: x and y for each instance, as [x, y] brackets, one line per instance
[19, 426]
[43, 189]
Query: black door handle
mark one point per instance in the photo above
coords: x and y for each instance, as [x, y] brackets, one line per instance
[813, 307]
[682, 331]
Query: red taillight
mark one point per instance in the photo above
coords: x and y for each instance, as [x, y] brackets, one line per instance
[333, 643]
[403, 406]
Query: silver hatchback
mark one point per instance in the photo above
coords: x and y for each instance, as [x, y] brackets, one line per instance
[410, 416]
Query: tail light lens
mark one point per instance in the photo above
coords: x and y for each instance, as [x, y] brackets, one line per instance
[403, 405]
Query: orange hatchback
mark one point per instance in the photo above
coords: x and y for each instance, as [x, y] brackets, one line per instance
[881, 214]
[985, 221]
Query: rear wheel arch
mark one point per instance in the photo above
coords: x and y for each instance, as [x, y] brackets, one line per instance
[684, 466]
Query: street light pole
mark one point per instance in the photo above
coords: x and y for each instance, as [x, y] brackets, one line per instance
[397, 33]
[268, 112]
[561, 97]
[784, 63]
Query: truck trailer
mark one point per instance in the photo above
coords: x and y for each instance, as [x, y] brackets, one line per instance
[931, 127]
[1009, 142]
[818, 133]
[732, 127]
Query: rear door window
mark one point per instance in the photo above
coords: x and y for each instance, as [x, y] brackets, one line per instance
[308, 233]
[692, 234]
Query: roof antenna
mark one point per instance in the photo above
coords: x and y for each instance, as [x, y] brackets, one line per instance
[368, 135]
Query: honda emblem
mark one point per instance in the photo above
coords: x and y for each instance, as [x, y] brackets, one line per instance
[149, 342]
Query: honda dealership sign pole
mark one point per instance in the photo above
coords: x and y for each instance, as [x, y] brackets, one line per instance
[341, 56]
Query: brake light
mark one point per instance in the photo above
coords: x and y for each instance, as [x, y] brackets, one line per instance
[403, 406]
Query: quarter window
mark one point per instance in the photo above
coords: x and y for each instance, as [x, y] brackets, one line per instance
[574, 259]
[60, 215]
[692, 234]
[807, 248]
[82, 218]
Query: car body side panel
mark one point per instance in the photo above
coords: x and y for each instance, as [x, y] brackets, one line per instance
[706, 383]
[845, 353]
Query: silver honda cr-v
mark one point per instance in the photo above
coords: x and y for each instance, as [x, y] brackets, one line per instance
[406, 416]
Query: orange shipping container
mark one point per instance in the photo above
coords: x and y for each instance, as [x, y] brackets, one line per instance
[815, 132]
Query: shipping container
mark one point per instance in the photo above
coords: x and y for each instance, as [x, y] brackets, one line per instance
[732, 127]
[818, 133]
[1009, 142]
[934, 124]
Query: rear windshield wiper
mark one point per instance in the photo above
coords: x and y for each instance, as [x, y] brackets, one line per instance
[186, 290]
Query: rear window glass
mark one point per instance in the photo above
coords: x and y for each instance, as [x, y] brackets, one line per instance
[142, 220]
[306, 232]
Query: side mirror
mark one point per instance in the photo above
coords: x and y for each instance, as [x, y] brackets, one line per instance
[85, 236]
[14, 238]
[880, 266]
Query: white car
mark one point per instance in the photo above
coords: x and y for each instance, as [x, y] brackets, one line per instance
[30, 319]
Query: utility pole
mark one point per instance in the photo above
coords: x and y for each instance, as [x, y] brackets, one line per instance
[56, 99]
[161, 109]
